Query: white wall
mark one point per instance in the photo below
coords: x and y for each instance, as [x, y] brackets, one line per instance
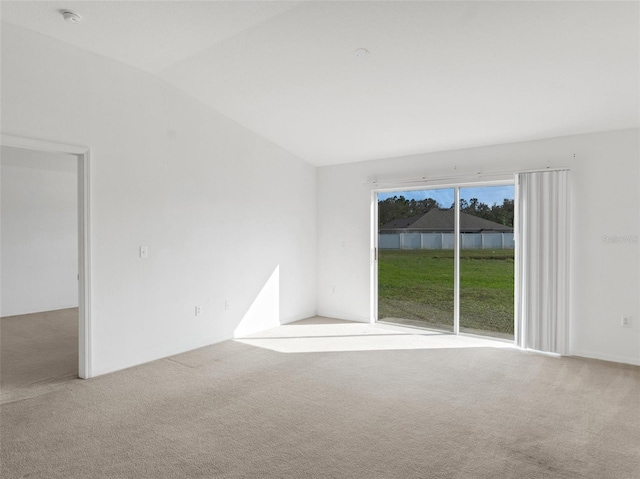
[605, 199]
[173, 175]
[39, 223]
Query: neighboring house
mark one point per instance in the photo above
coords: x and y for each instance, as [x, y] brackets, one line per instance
[442, 221]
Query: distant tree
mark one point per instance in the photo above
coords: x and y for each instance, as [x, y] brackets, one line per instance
[504, 213]
[400, 207]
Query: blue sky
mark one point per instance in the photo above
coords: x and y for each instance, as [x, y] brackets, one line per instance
[485, 194]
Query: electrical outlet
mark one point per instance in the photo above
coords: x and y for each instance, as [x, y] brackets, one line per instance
[227, 305]
[144, 252]
[198, 310]
[625, 322]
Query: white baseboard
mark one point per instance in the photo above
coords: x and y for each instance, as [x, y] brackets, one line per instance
[343, 317]
[293, 319]
[606, 357]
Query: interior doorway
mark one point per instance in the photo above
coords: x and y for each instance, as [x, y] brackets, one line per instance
[39, 255]
[46, 246]
[445, 259]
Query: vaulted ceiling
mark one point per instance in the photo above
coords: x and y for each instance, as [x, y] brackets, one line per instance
[439, 74]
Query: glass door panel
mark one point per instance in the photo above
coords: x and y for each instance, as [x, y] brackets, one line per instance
[416, 258]
[487, 261]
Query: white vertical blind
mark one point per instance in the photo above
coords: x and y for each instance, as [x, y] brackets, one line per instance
[542, 266]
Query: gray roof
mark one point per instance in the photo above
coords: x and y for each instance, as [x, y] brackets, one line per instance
[441, 221]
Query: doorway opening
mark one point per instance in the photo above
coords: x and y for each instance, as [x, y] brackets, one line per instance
[445, 259]
[46, 255]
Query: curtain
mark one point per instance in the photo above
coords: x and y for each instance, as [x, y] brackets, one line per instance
[542, 261]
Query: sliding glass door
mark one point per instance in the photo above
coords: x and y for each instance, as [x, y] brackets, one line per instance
[420, 263]
[416, 258]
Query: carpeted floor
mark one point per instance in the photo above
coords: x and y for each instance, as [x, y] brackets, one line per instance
[39, 353]
[333, 400]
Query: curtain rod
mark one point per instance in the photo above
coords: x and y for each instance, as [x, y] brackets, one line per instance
[458, 178]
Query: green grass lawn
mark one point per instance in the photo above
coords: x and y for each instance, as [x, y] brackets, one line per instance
[417, 285]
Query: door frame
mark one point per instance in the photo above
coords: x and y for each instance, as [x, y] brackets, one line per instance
[501, 179]
[84, 236]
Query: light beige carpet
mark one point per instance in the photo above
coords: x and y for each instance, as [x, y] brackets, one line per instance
[248, 410]
[39, 353]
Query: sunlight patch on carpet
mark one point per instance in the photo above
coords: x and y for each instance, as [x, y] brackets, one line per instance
[318, 336]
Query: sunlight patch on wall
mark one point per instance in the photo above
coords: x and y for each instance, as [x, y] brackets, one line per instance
[264, 312]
